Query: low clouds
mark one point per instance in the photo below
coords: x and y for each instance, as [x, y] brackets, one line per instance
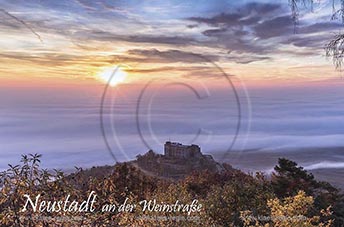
[98, 5]
[248, 59]
[22, 22]
[248, 32]
[152, 39]
[172, 56]
[277, 26]
[82, 36]
[282, 118]
[319, 27]
[248, 14]
[247, 28]
[241, 31]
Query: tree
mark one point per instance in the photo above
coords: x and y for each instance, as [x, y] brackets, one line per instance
[224, 202]
[222, 196]
[335, 47]
[289, 212]
[28, 178]
[289, 178]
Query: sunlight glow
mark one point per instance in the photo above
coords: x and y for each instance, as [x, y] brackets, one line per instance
[115, 73]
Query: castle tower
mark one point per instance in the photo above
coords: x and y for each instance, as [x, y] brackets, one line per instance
[178, 150]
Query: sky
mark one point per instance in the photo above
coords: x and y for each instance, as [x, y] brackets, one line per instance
[228, 75]
[76, 39]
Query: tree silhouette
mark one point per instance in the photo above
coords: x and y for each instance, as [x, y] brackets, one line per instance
[335, 47]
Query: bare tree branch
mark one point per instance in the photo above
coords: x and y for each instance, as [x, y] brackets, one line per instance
[294, 5]
[23, 23]
[335, 50]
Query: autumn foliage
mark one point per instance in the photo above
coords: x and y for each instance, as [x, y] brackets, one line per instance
[291, 197]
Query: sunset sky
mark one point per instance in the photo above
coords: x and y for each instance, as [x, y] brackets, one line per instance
[56, 57]
[74, 40]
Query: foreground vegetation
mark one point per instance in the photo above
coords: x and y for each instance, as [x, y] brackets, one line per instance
[291, 197]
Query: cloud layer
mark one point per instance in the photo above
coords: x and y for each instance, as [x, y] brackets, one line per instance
[281, 119]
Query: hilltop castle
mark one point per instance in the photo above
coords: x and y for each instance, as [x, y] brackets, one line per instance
[178, 150]
[178, 161]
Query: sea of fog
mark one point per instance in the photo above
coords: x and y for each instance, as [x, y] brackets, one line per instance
[65, 126]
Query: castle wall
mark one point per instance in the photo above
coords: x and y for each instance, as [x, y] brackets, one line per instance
[181, 151]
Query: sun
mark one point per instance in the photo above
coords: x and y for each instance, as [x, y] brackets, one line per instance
[113, 75]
